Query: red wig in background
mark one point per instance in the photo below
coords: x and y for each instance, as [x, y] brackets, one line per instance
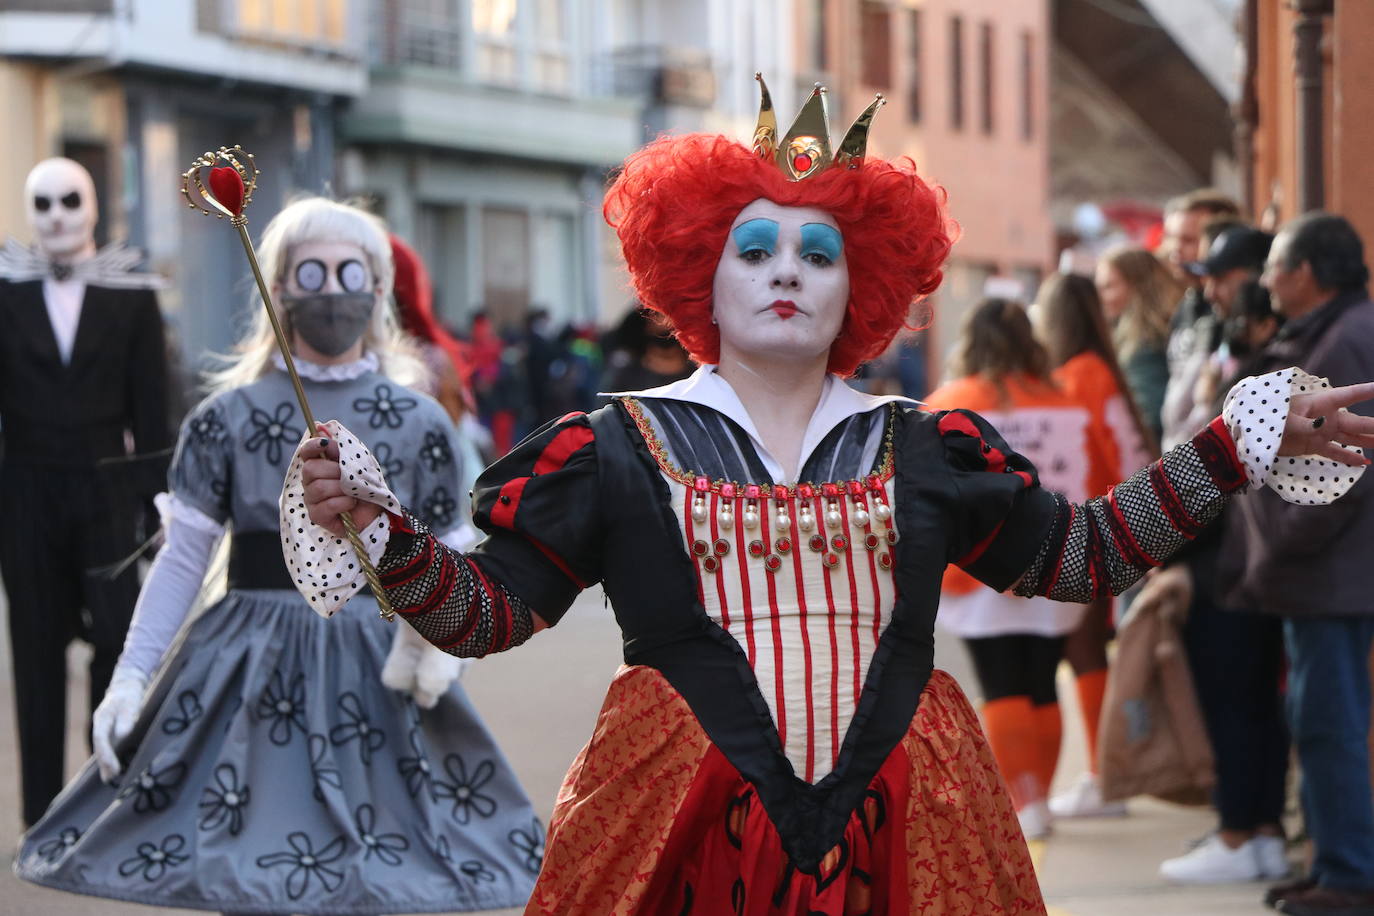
[415, 306]
[674, 201]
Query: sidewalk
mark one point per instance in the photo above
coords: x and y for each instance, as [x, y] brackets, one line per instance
[541, 702]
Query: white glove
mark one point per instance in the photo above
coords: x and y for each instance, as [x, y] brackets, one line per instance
[114, 718]
[415, 666]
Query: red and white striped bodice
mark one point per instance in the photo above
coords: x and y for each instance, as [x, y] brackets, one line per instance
[801, 577]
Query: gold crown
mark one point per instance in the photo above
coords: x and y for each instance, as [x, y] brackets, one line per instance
[805, 150]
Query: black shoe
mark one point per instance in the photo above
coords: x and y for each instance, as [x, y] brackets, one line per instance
[1327, 901]
[1280, 891]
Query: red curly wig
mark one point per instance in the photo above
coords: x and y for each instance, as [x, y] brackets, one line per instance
[674, 201]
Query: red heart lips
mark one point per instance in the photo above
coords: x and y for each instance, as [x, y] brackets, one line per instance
[784, 308]
[227, 186]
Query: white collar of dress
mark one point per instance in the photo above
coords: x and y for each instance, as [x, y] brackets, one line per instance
[838, 403]
[342, 372]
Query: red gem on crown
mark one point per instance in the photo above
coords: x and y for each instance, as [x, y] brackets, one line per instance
[801, 162]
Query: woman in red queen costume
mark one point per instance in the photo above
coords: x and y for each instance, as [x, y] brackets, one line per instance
[773, 543]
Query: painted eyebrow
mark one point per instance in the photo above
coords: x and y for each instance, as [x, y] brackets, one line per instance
[756, 235]
[819, 237]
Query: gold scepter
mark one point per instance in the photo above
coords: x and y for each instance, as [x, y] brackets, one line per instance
[230, 191]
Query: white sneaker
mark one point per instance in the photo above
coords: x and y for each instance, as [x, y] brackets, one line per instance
[1035, 820]
[1213, 862]
[1271, 852]
[1084, 799]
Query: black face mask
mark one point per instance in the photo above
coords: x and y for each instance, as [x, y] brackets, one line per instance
[330, 322]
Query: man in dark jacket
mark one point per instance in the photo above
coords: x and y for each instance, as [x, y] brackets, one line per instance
[1312, 566]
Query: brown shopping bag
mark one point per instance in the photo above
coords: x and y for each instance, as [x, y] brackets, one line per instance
[1153, 737]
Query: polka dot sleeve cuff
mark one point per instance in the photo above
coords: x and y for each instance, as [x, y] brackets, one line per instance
[324, 567]
[1255, 413]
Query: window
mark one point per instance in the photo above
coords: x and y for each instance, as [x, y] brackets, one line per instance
[505, 265]
[441, 237]
[552, 71]
[986, 74]
[956, 72]
[1027, 86]
[819, 59]
[875, 42]
[913, 95]
[305, 22]
[494, 23]
[523, 42]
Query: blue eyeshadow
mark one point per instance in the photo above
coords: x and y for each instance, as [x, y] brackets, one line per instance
[818, 238]
[756, 235]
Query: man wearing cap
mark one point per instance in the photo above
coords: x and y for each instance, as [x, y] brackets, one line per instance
[1234, 256]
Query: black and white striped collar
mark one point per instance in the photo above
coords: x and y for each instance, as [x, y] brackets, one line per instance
[838, 404]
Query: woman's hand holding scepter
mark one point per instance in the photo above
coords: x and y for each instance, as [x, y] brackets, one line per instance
[230, 190]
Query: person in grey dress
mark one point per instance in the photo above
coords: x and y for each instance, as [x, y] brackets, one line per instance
[266, 769]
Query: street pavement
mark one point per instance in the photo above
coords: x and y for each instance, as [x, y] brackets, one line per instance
[541, 702]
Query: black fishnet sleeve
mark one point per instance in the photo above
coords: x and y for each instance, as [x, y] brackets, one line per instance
[1103, 546]
[446, 598]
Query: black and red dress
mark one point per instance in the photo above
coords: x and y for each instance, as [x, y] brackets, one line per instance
[777, 741]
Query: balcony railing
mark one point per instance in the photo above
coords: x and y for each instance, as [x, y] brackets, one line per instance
[57, 6]
[427, 33]
[667, 76]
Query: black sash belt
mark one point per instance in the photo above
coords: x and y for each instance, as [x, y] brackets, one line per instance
[256, 561]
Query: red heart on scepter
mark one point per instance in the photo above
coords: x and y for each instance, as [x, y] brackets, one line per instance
[227, 186]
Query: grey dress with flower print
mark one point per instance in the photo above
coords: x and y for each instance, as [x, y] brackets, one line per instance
[271, 770]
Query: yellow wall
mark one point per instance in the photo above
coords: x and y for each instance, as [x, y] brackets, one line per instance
[31, 134]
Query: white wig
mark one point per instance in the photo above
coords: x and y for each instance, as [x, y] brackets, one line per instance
[316, 219]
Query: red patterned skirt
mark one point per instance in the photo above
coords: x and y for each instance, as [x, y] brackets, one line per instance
[652, 820]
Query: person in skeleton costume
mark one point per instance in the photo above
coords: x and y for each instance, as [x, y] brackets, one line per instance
[280, 763]
[83, 387]
[772, 542]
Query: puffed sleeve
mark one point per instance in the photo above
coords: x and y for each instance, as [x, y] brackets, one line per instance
[203, 462]
[1001, 513]
[539, 506]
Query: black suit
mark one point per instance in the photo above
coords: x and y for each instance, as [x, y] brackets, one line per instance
[59, 520]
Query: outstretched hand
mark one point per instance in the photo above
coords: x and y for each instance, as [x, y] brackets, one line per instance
[1318, 426]
[325, 498]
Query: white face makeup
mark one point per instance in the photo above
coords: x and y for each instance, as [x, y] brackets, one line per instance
[59, 197]
[782, 283]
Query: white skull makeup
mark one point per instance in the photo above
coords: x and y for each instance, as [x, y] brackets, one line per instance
[59, 197]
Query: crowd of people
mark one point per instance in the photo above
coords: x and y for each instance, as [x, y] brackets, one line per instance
[778, 546]
[1090, 381]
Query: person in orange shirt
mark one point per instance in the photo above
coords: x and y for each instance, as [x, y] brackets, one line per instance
[1016, 643]
[1070, 322]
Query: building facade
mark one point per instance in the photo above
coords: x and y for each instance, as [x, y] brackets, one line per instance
[135, 89]
[967, 85]
[490, 126]
[1307, 114]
